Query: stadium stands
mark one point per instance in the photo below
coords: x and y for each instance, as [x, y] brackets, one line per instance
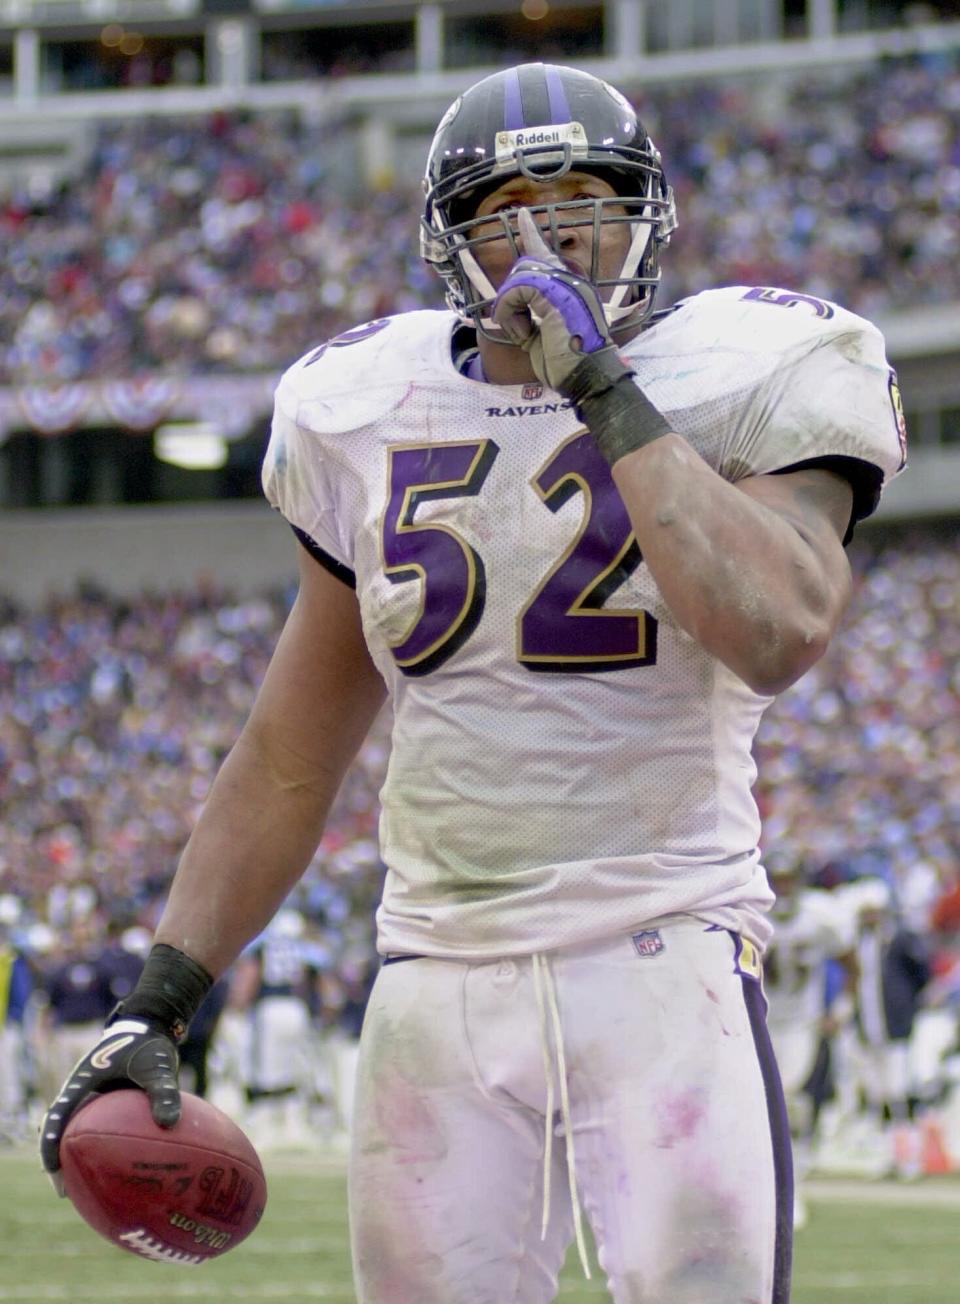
[221, 244]
[115, 713]
[201, 253]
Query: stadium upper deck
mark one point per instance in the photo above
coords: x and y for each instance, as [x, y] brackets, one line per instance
[194, 191]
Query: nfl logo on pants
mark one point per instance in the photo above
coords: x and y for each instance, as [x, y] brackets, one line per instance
[648, 943]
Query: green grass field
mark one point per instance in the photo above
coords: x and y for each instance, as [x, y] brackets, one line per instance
[864, 1244]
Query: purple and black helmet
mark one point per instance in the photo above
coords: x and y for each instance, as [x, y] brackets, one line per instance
[543, 121]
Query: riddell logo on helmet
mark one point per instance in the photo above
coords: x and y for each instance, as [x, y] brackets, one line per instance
[560, 133]
[540, 137]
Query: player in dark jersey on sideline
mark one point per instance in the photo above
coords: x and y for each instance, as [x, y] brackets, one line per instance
[580, 545]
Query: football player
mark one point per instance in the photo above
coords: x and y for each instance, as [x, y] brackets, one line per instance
[809, 932]
[271, 985]
[580, 544]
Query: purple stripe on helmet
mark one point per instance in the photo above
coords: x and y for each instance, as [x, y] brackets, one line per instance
[559, 108]
[512, 101]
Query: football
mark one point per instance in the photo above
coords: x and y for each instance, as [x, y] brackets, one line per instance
[177, 1195]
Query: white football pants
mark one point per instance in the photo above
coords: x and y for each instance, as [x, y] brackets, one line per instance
[13, 1087]
[682, 1152]
[279, 1047]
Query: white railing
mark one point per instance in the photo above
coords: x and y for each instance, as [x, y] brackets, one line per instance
[419, 93]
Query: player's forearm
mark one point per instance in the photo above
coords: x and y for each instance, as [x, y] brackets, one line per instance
[265, 814]
[256, 835]
[737, 576]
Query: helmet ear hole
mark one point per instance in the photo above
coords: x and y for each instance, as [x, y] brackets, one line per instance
[464, 208]
[541, 121]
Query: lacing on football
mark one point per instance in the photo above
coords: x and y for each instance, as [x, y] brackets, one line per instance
[554, 1061]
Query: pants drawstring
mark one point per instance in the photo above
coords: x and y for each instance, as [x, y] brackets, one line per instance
[546, 994]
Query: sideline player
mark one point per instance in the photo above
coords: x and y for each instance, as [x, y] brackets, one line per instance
[580, 545]
[271, 986]
[809, 932]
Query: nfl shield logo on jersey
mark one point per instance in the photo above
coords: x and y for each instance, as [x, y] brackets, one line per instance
[648, 943]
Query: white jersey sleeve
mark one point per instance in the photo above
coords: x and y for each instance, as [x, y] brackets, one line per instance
[795, 381]
[334, 389]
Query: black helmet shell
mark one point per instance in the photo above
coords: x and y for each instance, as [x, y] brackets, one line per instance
[540, 121]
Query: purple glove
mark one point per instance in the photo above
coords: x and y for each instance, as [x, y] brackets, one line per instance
[551, 313]
[557, 318]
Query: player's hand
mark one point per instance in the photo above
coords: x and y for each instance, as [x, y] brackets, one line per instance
[131, 1053]
[553, 314]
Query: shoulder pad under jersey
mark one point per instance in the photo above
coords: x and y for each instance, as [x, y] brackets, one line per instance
[805, 379]
[758, 319]
[359, 376]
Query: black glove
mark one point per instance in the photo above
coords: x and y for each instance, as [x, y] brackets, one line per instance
[137, 1049]
[131, 1052]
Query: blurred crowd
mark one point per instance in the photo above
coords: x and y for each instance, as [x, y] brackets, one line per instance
[114, 717]
[197, 245]
[224, 244]
[844, 185]
[116, 713]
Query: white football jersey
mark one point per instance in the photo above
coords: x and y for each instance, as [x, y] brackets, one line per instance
[566, 762]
